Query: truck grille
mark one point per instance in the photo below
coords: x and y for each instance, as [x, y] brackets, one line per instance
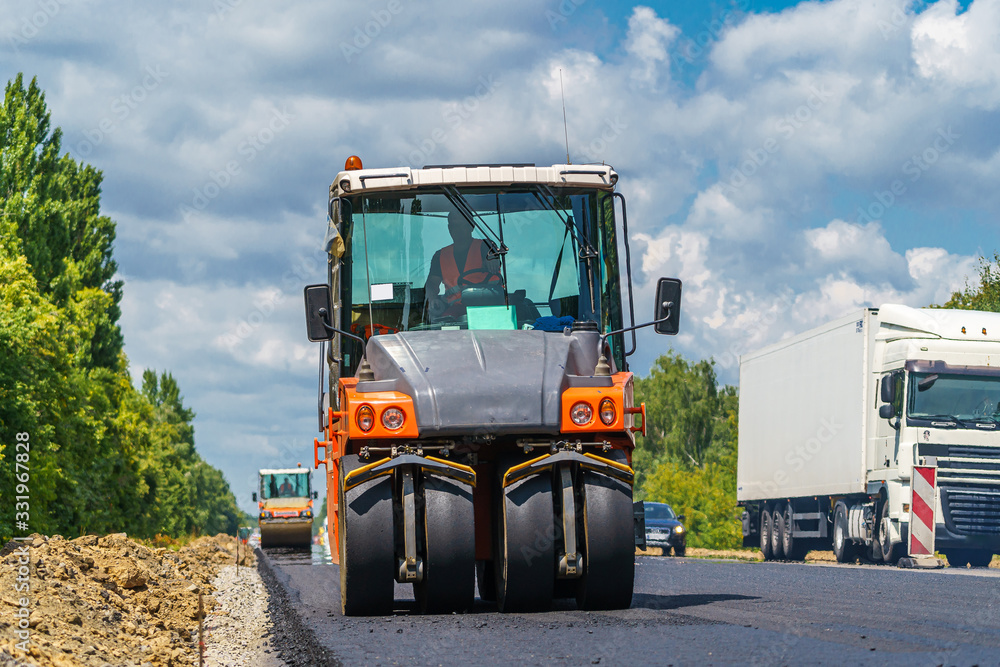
[972, 511]
[967, 464]
[969, 479]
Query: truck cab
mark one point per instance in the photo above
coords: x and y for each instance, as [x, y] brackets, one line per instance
[939, 394]
[285, 507]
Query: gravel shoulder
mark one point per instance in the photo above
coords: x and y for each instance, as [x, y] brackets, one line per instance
[107, 600]
[238, 631]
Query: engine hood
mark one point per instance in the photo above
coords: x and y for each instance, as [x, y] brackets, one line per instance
[466, 382]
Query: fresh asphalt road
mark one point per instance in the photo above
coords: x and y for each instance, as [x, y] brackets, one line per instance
[684, 611]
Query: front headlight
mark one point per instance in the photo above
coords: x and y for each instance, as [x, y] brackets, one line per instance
[679, 530]
[306, 513]
[393, 419]
[581, 414]
[265, 515]
[366, 418]
[607, 410]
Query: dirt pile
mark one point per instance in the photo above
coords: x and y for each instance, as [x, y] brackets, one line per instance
[110, 600]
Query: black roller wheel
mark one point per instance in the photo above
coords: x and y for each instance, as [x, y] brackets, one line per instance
[525, 548]
[844, 549]
[778, 532]
[890, 552]
[367, 555]
[449, 550]
[789, 546]
[486, 580]
[766, 528]
[980, 557]
[607, 542]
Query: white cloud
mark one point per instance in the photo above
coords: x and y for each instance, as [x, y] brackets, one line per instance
[751, 184]
[959, 50]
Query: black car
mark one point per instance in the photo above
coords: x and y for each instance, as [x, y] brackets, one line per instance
[664, 528]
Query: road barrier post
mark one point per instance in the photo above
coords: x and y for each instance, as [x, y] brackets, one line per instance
[920, 547]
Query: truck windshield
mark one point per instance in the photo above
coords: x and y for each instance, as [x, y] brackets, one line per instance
[479, 259]
[284, 485]
[954, 398]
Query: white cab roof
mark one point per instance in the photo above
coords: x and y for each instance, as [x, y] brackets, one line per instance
[941, 322]
[283, 471]
[405, 178]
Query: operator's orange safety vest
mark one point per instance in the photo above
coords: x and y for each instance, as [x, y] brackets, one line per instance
[474, 272]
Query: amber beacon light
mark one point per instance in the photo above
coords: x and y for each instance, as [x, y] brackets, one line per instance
[353, 163]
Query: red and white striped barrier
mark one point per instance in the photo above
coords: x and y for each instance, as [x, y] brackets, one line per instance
[923, 484]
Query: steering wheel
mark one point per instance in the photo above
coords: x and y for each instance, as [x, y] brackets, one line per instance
[985, 408]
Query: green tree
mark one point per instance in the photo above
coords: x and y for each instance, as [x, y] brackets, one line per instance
[688, 457]
[985, 295]
[682, 409]
[103, 456]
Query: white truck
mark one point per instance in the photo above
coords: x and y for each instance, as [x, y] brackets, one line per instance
[833, 420]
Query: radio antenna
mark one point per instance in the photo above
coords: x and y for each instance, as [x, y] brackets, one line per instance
[565, 127]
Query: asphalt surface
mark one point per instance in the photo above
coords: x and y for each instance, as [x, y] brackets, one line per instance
[684, 611]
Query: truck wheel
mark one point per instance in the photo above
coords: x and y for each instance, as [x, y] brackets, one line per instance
[448, 584]
[679, 551]
[778, 531]
[525, 560]
[957, 557]
[788, 545]
[766, 528]
[367, 557]
[980, 557]
[844, 549]
[608, 543]
[890, 552]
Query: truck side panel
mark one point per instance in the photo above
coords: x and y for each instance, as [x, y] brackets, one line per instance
[802, 402]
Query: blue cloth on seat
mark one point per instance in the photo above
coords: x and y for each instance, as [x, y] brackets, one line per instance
[550, 323]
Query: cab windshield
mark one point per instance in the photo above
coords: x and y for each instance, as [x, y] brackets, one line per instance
[658, 511]
[479, 259]
[284, 485]
[957, 399]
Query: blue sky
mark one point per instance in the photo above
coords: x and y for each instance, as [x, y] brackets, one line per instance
[791, 162]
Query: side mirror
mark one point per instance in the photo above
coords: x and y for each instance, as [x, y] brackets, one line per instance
[680, 517]
[318, 312]
[315, 495]
[254, 496]
[886, 411]
[668, 306]
[887, 389]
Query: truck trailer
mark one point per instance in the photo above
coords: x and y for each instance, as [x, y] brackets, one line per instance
[832, 422]
[478, 412]
[285, 507]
